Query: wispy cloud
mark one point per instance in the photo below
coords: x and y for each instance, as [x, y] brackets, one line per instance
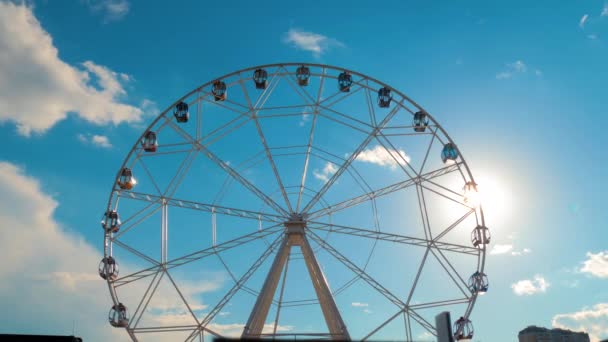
[528, 287]
[596, 264]
[514, 68]
[310, 41]
[583, 21]
[359, 304]
[111, 10]
[593, 320]
[97, 140]
[384, 157]
[34, 77]
[328, 170]
[501, 249]
[605, 10]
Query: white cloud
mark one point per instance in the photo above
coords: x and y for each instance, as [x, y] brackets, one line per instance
[503, 75]
[513, 68]
[501, 249]
[310, 41]
[596, 264]
[592, 36]
[367, 311]
[359, 305]
[583, 20]
[39, 267]
[518, 66]
[304, 120]
[593, 320]
[38, 89]
[528, 287]
[97, 140]
[328, 170]
[383, 157]
[605, 10]
[110, 9]
[538, 72]
[101, 141]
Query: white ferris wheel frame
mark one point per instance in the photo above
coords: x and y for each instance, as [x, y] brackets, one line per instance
[299, 225]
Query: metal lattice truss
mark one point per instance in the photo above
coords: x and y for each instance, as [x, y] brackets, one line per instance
[292, 217]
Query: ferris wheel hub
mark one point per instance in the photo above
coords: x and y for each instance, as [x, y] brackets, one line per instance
[295, 225]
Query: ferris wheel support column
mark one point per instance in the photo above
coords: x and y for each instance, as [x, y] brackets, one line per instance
[334, 321]
[257, 318]
[295, 236]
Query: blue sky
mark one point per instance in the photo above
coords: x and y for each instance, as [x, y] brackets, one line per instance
[518, 86]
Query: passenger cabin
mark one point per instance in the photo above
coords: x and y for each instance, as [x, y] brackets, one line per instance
[480, 236]
[303, 75]
[463, 329]
[149, 142]
[345, 81]
[384, 97]
[110, 221]
[260, 78]
[126, 181]
[118, 316]
[478, 283]
[449, 154]
[219, 91]
[420, 122]
[108, 268]
[181, 112]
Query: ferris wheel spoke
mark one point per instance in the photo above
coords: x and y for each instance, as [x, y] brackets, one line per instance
[355, 269]
[453, 225]
[183, 170]
[451, 271]
[125, 228]
[341, 122]
[350, 159]
[423, 322]
[265, 144]
[391, 237]
[310, 141]
[428, 150]
[245, 288]
[145, 300]
[415, 284]
[355, 88]
[378, 328]
[440, 303]
[205, 207]
[408, 326]
[254, 267]
[222, 164]
[423, 213]
[379, 192]
[345, 116]
[370, 106]
[181, 295]
[150, 177]
[401, 161]
[134, 251]
[198, 255]
[459, 200]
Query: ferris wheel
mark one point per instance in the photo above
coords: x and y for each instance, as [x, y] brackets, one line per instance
[293, 200]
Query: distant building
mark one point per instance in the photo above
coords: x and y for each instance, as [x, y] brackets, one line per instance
[538, 334]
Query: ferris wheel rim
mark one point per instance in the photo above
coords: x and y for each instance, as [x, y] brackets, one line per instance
[164, 114]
